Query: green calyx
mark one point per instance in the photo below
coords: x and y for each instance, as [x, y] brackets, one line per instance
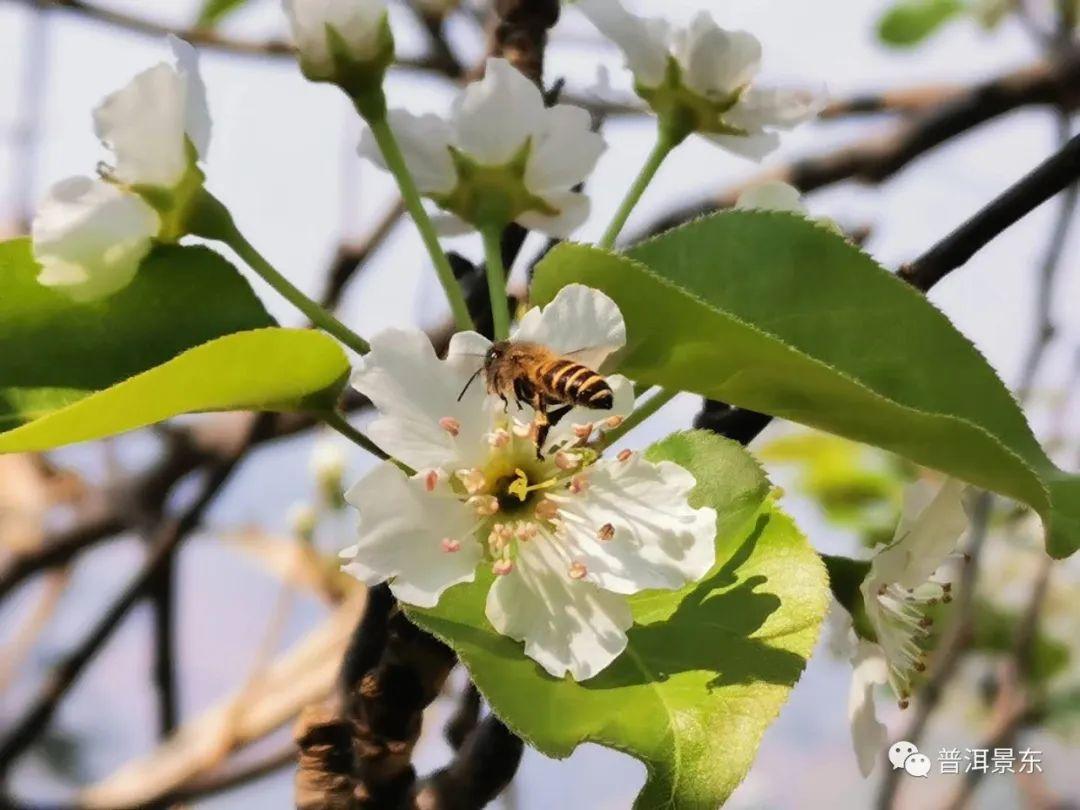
[492, 196]
[175, 204]
[361, 79]
[683, 111]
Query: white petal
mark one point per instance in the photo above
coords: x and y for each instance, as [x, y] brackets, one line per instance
[623, 403]
[413, 391]
[564, 150]
[644, 42]
[660, 541]
[424, 141]
[775, 107]
[357, 22]
[716, 62]
[496, 115]
[868, 735]
[755, 147]
[580, 321]
[923, 543]
[144, 124]
[567, 625]
[402, 527]
[196, 110]
[771, 195]
[90, 236]
[573, 209]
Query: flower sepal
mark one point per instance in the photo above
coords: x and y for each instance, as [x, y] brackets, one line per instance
[681, 111]
[492, 196]
[173, 204]
[360, 79]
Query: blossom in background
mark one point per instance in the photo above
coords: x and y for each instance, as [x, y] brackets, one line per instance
[339, 40]
[902, 582]
[700, 79]
[89, 235]
[502, 156]
[567, 537]
[771, 195]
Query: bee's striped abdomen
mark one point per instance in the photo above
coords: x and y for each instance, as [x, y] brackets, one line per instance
[567, 381]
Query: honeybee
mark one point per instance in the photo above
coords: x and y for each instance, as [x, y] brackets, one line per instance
[536, 375]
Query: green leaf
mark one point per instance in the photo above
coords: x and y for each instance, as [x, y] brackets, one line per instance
[64, 365]
[214, 11]
[707, 668]
[909, 22]
[264, 370]
[771, 312]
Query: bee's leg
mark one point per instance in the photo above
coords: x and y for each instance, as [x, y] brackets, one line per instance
[522, 392]
[541, 425]
[505, 402]
[555, 416]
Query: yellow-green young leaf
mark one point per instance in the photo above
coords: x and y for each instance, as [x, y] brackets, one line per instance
[214, 11]
[57, 355]
[909, 22]
[707, 668]
[267, 369]
[771, 312]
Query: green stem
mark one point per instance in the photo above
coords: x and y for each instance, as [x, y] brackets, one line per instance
[496, 279]
[395, 162]
[318, 316]
[341, 425]
[642, 412]
[664, 144]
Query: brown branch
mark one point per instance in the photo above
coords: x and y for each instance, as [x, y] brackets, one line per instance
[351, 257]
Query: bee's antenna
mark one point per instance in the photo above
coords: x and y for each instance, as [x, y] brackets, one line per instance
[470, 382]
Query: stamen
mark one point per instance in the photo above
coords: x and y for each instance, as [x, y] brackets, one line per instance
[625, 455]
[577, 571]
[578, 484]
[613, 422]
[566, 461]
[450, 425]
[521, 429]
[546, 510]
[498, 438]
[431, 480]
[606, 532]
[484, 505]
[501, 568]
[583, 430]
[525, 531]
[473, 480]
[450, 545]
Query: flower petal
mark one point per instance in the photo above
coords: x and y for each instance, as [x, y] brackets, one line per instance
[771, 195]
[196, 110]
[782, 108]
[659, 540]
[868, 734]
[567, 625]
[923, 543]
[644, 41]
[580, 322]
[357, 22]
[564, 150]
[496, 115]
[755, 147]
[424, 141]
[414, 391]
[716, 62]
[90, 236]
[402, 527]
[144, 125]
[573, 208]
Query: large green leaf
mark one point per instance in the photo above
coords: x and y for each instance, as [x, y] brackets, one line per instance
[772, 312]
[707, 668]
[266, 369]
[71, 371]
[909, 22]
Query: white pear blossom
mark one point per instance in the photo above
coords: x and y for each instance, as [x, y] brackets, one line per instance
[89, 235]
[868, 734]
[567, 537]
[360, 27]
[502, 156]
[701, 78]
[771, 195]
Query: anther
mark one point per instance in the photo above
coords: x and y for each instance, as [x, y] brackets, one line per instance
[625, 455]
[473, 480]
[583, 430]
[566, 461]
[484, 505]
[546, 509]
[499, 438]
[431, 479]
[522, 429]
[578, 484]
[613, 422]
[577, 571]
[501, 568]
[606, 532]
[450, 425]
[450, 545]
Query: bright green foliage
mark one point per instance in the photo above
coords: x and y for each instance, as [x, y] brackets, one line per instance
[707, 668]
[71, 372]
[771, 312]
[214, 11]
[909, 22]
